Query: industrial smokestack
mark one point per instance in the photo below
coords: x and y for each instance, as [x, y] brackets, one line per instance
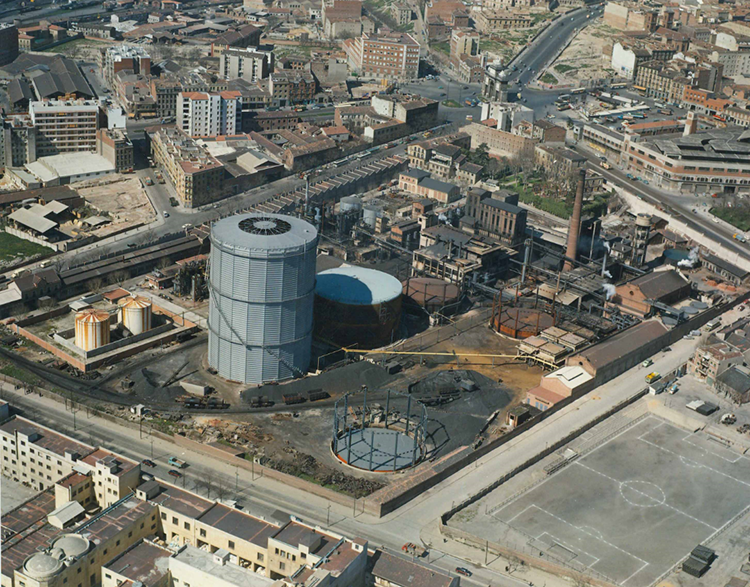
[691, 124]
[575, 222]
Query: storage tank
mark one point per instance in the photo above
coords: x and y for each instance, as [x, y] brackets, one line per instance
[357, 305]
[135, 313]
[92, 329]
[432, 294]
[262, 284]
[350, 204]
[371, 214]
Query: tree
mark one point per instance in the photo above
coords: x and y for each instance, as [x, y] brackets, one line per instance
[96, 284]
[480, 155]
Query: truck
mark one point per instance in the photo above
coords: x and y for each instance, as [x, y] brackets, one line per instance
[738, 236]
[605, 165]
[175, 462]
[651, 377]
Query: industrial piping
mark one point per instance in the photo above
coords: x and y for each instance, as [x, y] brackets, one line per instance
[575, 222]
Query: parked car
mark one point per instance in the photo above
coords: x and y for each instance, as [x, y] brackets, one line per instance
[148, 463]
[463, 571]
[175, 474]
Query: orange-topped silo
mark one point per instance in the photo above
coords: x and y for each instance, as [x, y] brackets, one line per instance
[135, 313]
[92, 329]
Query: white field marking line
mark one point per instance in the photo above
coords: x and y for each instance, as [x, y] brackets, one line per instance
[627, 428]
[650, 431]
[706, 451]
[697, 464]
[518, 514]
[559, 519]
[570, 548]
[665, 504]
[634, 574]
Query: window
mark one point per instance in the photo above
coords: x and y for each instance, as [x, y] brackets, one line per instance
[260, 556]
[175, 521]
[282, 566]
[202, 533]
[231, 544]
[187, 526]
[163, 516]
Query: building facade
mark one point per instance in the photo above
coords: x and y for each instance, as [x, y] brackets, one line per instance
[385, 56]
[64, 126]
[201, 114]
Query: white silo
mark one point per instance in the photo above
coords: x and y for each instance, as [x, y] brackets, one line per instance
[135, 313]
[92, 329]
[262, 283]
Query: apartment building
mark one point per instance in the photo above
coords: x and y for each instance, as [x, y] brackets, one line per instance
[64, 126]
[401, 13]
[75, 533]
[490, 22]
[198, 177]
[708, 362]
[292, 87]
[630, 16]
[736, 63]
[201, 114]
[38, 456]
[115, 146]
[463, 42]
[250, 64]
[18, 141]
[114, 476]
[124, 57]
[8, 43]
[384, 56]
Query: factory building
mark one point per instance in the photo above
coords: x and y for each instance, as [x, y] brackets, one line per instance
[354, 305]
[638, 296]
[261, 285]
[496, 215]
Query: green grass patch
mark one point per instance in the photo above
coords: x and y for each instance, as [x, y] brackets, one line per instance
[75, 43]
[739, 217]
[548, 78]
[451, 104]
[20, 374]
[562, 68]
[12, 247]
[443, 47]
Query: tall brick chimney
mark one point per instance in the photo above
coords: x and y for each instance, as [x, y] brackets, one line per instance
[575, 222]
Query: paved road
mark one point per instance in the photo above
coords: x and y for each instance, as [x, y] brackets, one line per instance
[679, 206]
[540, 53]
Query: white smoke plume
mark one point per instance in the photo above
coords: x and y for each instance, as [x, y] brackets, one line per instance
[606, 246]
[692, 259]
[609, 290]
[607, 274]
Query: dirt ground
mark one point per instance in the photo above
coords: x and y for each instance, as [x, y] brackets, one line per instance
[583, 59]
[122, 197]
[516, 377]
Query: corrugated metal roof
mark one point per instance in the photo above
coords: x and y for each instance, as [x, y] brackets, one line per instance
[659, 284]
[622, 344]
[34, 221]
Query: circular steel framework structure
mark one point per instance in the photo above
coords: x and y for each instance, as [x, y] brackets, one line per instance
[377, 438]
